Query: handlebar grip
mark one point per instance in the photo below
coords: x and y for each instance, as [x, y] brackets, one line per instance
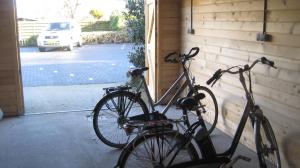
[169, 55]
[264, 60]
[214, 77]
[210, 80]
[189, 55]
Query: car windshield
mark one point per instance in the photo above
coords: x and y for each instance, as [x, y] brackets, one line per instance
[58, 26]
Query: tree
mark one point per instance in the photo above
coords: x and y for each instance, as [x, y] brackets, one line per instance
[97, 14]
[70, 7]
[135, 22]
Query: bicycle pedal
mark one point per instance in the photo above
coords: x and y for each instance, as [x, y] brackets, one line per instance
[89, 115]
[244, 158]
[234, 160]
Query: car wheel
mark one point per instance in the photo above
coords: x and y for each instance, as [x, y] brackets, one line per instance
[42, 49]
[70, 47]
[79, 43]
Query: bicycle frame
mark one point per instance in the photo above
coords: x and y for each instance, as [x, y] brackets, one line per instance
[203, 139]
[248, 110]
[186, 83]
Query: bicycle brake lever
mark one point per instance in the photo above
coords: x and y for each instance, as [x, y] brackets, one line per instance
[216, 79]
[234, 160]
[213, 82]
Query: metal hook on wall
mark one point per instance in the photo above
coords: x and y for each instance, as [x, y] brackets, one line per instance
[191, 30]
[264, 36]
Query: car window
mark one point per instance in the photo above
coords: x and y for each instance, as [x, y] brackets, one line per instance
[59, 26]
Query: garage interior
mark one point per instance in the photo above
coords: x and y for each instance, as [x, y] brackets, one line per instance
[226, 33]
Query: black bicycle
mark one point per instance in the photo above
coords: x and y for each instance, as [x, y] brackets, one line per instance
[161, 146]
[114, 110]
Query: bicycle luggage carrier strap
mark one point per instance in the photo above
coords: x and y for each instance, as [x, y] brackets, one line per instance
[151, 121]
[118, 88]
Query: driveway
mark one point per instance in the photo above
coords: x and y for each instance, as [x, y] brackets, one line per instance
[91, 64]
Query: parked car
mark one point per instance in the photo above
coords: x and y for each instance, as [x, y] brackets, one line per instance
[60, 34]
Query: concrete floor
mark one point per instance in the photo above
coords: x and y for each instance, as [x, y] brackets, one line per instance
[45, 99]
[64, 140]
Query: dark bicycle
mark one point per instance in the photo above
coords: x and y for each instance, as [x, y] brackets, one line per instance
[166, 147]
[114, 110]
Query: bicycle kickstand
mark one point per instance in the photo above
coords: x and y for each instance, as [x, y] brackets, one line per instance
[234, 160]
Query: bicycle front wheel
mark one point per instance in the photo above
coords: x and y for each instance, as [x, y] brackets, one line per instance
[208, 107]
[266, 145]
[112, 112]
[156, 151]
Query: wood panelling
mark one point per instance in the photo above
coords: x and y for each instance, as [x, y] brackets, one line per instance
[11, 101]
[168, 41]
[225, 31]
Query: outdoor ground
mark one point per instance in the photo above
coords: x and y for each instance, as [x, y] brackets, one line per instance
[92, 64]
[61, 80]
[65, 140]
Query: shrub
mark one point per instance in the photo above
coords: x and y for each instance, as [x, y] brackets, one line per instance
[115, 21]
[97, 14]
[137, 56]
[108, 37]
[30, 42]
[96, 26]
[135, 22]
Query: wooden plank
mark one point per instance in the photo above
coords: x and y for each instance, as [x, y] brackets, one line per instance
[150, 30]
[230, 7]
[284, 86]
[280, 62]
[7, 73]
[280, 39]
[285, 28]
[9, 88]
[247, 16]
[281, 52]
[209, 2]
[10, 97]
[284, 5]
[7, 80]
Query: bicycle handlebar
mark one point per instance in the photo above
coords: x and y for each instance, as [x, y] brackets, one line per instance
[183, 57]
[217, 75]
[167, 58]
[264, 60]
[190, 55]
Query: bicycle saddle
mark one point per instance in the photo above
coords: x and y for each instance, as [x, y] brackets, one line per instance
[190, 103]
[137, 71]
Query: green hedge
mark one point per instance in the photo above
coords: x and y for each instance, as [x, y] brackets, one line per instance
[89, 38]
[104, 38]
[96, 26]
[30, 42]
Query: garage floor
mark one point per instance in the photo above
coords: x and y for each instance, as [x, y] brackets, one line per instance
[65, 140]
[48, 99]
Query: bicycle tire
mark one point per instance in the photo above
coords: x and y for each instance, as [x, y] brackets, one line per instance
[107, 111]
[129, 154]
[211, 115]
[266, 144]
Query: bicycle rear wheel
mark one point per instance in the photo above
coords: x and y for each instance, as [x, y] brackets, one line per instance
[156, 150]
[112, 112]
[208, 107]
[266, 145]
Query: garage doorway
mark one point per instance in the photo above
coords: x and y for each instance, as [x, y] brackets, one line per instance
[58, 80]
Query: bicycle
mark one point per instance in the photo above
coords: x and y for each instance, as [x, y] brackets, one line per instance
[118, 102]
[162, 148]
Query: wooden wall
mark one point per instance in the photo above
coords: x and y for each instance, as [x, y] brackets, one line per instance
[168, 41]
[225, 31]
[11, 101]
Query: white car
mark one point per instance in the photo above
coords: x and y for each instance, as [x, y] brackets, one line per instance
[60, 34]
